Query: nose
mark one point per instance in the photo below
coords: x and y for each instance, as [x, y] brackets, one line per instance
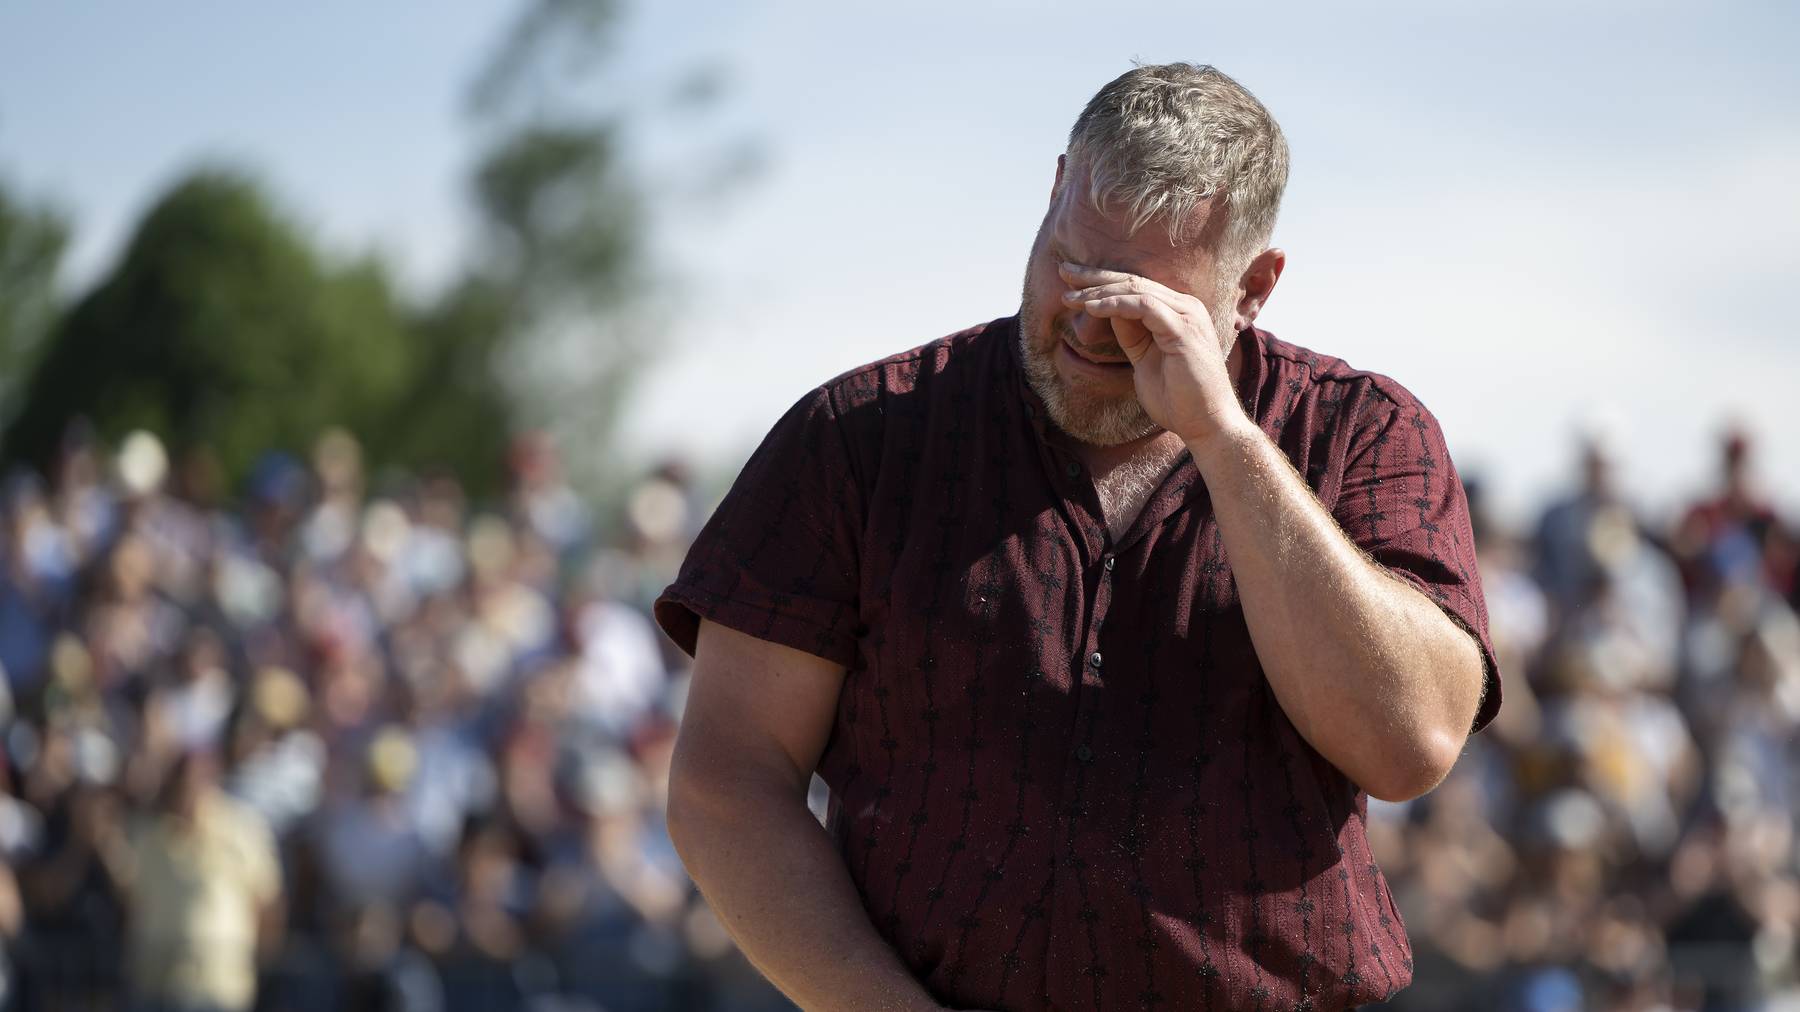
[1093, 334]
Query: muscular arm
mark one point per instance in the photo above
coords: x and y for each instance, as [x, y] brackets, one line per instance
[758, 716]
[1374, 676]
[1372, 673]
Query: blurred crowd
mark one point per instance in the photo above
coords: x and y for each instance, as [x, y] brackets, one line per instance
[341, 742]
[1623, 836]
[344, 741]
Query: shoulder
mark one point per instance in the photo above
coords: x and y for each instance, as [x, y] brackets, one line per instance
[842, 428]
[1330, 392]
[863, 411]
[965, 353]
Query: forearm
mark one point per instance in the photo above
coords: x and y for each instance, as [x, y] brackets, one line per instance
[1369, 670]
[780, 888]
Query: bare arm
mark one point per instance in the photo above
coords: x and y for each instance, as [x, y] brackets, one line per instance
[758, 716]
[1373, 675]
[1369, 670]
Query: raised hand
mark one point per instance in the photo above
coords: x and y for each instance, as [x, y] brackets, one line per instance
[1177, 364]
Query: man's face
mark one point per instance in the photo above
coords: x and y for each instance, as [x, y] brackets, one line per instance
[1073, 361]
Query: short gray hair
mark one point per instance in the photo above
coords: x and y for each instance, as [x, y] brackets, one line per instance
[1160, 139]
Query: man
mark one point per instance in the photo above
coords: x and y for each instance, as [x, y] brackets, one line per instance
[204, 896]
[1097, 622]
[1736, 526]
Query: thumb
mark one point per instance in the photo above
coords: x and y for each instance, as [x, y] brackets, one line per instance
[1133, 338]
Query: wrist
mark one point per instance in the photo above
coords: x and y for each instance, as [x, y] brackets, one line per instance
[1225, 444]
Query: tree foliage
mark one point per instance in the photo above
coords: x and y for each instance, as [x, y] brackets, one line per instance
[454, 415]
[32, 242]
[562, 226]
[220, 326]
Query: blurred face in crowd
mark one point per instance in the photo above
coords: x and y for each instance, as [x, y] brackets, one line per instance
[1736, 458]
[1074, 361]
[202, 655]
[189, 779]
[132, 568]
[1596, 468]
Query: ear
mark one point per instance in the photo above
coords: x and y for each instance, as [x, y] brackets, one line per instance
[1257, 284]
[1056, 186]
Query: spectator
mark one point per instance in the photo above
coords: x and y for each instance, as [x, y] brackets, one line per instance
[1735, 521]
[204, 892]
[439, 728]
[1565, 559]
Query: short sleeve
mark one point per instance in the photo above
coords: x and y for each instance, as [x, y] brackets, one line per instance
[1402, 502]
[778, 558]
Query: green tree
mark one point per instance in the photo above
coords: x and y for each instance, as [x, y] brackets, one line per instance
[567, 205]
[453, 415]
[561, 228]
[220, 326]
[32, 241]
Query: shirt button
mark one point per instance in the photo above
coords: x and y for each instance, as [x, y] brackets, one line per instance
[1073, 469]
[1084, 754]
[1094, 659]
[1110, 561]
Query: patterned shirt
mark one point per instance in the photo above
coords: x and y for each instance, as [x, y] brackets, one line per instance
[1059, 779]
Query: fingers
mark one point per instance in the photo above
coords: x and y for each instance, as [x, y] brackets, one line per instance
[1088, 283]
[1126, 300]
[1081, 274]
[1155, 315]
[1082, 277]
[1134, 286]
[1153, 308]
[1148, 308]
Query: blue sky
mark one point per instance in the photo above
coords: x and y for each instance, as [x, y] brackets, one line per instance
[1529, 213]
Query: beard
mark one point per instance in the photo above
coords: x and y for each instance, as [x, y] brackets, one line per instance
[1086, 414]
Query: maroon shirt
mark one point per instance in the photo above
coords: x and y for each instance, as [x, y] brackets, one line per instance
[1058, 776]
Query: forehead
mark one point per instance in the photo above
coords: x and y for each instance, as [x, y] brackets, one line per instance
[1083, 234]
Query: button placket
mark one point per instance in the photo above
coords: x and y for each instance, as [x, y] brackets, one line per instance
[1102, 604]
[1085, 776]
